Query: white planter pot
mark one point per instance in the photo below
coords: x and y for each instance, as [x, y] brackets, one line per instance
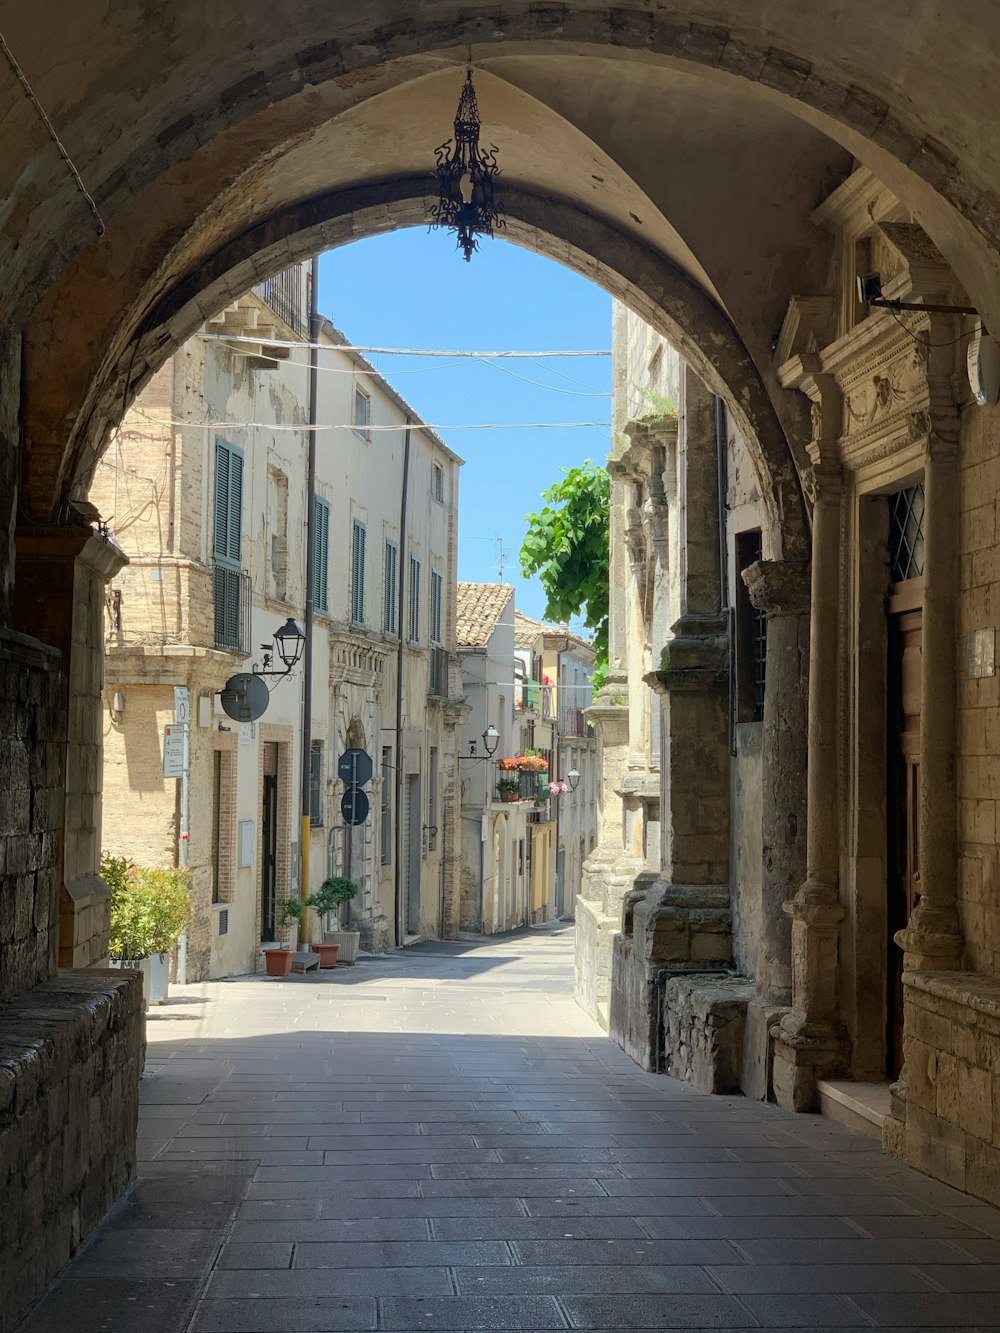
[140, 965]
[349, 940]
[157, 969]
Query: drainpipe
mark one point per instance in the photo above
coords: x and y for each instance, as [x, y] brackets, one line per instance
[404, 574]
[307, 653]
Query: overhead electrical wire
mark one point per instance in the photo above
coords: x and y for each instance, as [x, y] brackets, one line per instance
[372, 428]
[396, 351]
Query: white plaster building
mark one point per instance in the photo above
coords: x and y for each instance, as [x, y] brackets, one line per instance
[213, 519]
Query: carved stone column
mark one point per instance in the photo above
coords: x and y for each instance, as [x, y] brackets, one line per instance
[932, 941]
[62, 573]
[683, 917]
[810, 1042]
[781, 590]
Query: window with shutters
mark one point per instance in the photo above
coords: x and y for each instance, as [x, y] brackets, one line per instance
[414, 628]
[316, 784]
[386, 805]
[437, 583]
[358, 572]
[437, 481]
[362, 415]
[390, 597]
[321, 555]
[229, 593]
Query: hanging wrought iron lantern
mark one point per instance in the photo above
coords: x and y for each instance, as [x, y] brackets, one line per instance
[465, 173]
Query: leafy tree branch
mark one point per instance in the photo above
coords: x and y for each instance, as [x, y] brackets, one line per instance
[567, 546]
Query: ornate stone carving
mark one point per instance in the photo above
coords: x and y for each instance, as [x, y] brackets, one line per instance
[779, 587]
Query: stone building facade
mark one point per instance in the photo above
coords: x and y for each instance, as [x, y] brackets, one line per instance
[523, 844]
[187, 613]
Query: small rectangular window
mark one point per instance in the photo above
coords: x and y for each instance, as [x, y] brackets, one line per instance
[414, 628]
[362, 415]
[390, 600]
[437, 583]
[437, 482]
[358, 573]
[316, 784]
[386, 809]
[321, 555]
[751, 636]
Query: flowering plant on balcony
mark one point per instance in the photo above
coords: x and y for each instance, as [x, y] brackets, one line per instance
[510, 764]
[533, 763]
[557, 788]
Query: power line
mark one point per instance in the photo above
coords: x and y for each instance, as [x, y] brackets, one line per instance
[391, 351]
[401, 426]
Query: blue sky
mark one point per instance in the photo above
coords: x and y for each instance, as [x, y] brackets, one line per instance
[411, 289]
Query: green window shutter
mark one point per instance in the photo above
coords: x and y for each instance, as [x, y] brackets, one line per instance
[227, 537]
[358, 573]
[391, 587]
[321, 555]
[414, 599]
[436, 588]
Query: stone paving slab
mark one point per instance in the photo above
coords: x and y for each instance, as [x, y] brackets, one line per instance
[468, 1152]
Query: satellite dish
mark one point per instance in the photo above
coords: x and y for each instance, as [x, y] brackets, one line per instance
[244, 697]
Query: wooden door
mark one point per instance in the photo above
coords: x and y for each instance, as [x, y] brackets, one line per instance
[902, 824]
[269, 857]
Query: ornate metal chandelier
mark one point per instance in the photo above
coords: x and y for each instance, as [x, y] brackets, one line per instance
[465, 174]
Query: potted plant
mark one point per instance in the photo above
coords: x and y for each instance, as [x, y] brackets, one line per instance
[278, 957]
[334, 890]
[149, 910]
[509, 789]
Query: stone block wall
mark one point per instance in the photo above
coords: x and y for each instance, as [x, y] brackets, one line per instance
[949, 1126]
[32, 721]
[703, 1028]
[70, 1059]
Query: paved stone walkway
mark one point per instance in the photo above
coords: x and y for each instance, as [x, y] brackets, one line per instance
[441, 1140]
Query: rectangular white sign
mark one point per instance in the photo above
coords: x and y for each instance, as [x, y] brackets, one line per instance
[173, 751]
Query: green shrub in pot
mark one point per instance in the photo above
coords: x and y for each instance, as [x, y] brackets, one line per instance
[149, 907]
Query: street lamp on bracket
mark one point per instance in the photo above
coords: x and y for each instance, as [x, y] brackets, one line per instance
[490, 739]
[288, 643]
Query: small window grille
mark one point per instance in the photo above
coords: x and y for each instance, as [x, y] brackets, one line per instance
[906, 534]
[751, 637]
[224, 921]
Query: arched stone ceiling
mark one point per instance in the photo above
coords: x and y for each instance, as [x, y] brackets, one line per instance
[719, 124]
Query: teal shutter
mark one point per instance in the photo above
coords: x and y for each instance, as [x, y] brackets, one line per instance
[321, 555]
[358, 573]
[391, 585]
[227, 544]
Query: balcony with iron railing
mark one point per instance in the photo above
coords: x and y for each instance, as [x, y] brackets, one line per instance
[573, 722]
[284, 294]
[232, 596]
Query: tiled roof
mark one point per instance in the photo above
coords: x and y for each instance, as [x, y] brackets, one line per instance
[480, 606]
[526, 630]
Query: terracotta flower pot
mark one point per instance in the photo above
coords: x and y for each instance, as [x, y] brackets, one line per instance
[327, 954]
[278, 962]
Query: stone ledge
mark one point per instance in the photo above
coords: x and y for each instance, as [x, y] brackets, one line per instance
[70, 1059]
[970, 990]
[703, 1025]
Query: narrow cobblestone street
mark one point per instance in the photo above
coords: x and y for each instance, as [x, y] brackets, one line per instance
[441, 1140]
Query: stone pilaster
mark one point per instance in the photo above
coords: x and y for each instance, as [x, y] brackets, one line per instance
[810, 1042]
[62, 573]
[781, 589]
[932, 941]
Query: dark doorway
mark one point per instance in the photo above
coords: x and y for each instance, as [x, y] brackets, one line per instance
[903, 772]
[269, 843]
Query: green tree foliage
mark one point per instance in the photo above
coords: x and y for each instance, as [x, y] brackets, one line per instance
[567, 546]
[149, 907]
